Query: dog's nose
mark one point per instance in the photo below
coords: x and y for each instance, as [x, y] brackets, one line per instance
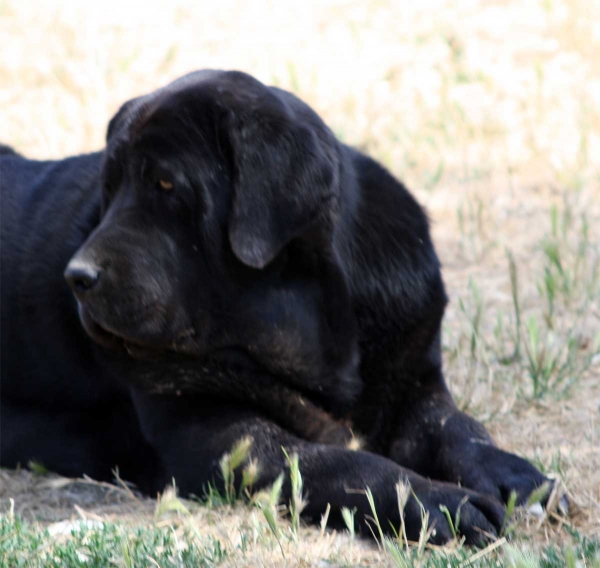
[82, 276]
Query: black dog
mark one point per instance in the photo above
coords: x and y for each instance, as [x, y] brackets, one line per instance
[231, 264]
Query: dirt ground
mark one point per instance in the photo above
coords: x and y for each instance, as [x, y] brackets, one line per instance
[489, 110]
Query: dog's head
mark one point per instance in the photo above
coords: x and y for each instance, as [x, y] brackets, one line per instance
[218, 205]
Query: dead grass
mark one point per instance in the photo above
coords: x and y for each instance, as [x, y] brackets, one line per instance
[489, 110]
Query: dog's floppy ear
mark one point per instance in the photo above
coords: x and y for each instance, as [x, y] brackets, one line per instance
[286, 173]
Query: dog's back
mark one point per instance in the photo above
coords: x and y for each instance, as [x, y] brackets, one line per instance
[40, 231]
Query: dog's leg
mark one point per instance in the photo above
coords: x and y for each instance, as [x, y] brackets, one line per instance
[191, 435]
[436, 438]
[431, 436]
[285, 406]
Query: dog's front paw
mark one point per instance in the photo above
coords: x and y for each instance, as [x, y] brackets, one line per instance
[483, 467]
[453, 512]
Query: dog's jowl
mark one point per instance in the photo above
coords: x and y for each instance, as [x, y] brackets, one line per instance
[226, 268]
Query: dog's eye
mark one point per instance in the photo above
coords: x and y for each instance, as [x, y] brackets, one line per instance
[166, 184]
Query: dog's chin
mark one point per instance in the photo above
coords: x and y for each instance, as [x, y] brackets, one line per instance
[110, 340]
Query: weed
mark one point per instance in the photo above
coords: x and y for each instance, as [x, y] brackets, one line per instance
[169, 502]
[297, 502]
[37, 467]
[514, 292]
[471, 223]
[267, 501]
[228, 465]
[511, 505]
[473, 311]
[348, 517]
[454, 523]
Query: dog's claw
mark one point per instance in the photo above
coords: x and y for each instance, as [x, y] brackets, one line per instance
[563, 506]
[536, 510]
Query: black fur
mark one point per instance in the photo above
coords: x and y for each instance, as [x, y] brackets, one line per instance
[238, 272]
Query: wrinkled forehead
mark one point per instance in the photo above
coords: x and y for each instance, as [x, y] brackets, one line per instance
[167, 122]
[193, 100]
[134, 114]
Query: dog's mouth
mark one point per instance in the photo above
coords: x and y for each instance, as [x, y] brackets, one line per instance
[136, 348]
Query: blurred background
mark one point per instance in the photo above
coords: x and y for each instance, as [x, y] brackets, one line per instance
[439, 90]
[489, 110]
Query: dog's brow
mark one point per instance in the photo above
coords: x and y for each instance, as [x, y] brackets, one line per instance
[142, 114]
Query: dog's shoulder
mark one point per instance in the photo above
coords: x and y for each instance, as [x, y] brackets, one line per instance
[386, 244]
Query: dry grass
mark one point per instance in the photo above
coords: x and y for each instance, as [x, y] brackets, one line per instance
[489, 110]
